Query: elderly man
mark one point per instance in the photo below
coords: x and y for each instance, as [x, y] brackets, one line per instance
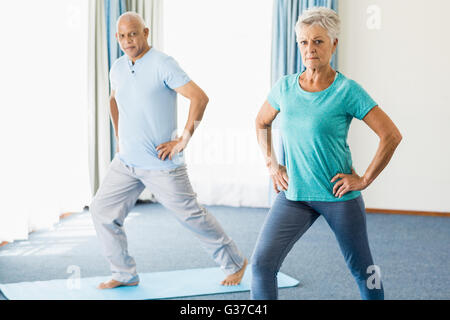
[144, 87]
[316, 108]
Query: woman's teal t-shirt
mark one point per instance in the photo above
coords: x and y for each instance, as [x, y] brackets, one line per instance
[314, 128]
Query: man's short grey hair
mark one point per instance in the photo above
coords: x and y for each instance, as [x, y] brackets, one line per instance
[322, 16]
[130, 15]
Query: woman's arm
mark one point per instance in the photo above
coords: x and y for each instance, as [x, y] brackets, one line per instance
[390, 138]
[263, 124]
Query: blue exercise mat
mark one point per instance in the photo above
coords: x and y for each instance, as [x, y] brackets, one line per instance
[156, 285]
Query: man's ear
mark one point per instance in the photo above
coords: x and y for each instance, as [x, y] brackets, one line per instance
[146, 32]
[116, 36]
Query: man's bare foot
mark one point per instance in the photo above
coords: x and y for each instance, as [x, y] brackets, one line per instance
[235, 278]
[114, 284]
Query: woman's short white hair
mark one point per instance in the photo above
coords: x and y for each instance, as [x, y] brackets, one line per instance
[324, 17]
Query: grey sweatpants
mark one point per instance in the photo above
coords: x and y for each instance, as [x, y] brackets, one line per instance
[117, 195]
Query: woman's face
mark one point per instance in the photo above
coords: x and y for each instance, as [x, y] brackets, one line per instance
[315, 46]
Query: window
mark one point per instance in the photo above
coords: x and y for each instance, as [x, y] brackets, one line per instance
[44, 166]
[225, 48]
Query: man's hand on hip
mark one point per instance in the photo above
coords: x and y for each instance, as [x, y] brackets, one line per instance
[171, 148]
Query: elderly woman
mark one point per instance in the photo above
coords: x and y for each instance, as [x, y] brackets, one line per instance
[316, 108]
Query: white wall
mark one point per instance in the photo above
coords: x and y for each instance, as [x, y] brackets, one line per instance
[405, 66]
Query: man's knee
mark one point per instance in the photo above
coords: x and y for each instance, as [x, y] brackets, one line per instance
[93, 208]
[97, 210]
[197, 213]
[187, 209]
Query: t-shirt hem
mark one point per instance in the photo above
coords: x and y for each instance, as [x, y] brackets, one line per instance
[153, 168]
[322, 199]
[160, 169]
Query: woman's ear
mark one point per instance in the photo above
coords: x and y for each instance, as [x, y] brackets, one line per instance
[335, 43]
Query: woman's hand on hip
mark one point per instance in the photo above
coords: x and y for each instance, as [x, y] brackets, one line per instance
[279, 176]
[347, 183]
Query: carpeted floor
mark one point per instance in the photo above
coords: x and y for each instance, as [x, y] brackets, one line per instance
[413, 252]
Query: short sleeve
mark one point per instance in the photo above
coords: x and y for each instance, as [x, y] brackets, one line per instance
[274, 96]
[173, 75]
[113, 75]
[112, 81]
[360, 101]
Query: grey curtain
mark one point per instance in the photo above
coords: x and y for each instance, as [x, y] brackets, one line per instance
[151, 11]
[98, 99]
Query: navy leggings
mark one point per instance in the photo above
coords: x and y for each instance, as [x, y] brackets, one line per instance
[288, 220]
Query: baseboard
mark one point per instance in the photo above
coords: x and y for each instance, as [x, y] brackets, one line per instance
[61, 216]
[410, 212]
[65, 215]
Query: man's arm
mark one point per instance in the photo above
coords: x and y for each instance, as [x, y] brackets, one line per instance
[199, 100]
[114, 111]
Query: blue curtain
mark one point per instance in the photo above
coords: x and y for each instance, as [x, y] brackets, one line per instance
[286, 57]
[113, 9]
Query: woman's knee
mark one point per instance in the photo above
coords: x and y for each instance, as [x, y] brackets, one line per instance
[263, 262]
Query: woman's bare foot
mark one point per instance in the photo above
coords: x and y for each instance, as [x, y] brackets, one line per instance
[114, 284]
[235, 278]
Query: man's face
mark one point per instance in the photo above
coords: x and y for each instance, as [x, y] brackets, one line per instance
[132, 37]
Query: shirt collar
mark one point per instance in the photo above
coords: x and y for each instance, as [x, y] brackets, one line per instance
[130, 62]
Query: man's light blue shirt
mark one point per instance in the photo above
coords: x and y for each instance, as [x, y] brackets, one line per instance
[147, 105]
